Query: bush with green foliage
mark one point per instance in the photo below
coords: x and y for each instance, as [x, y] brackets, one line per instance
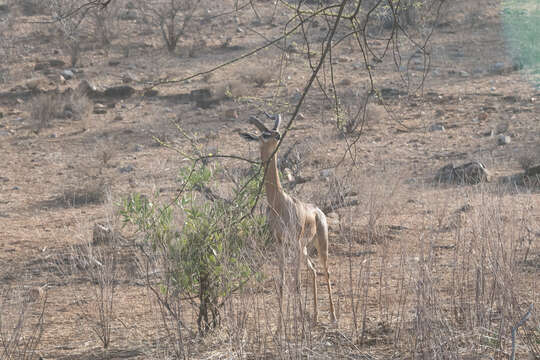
[210, 256]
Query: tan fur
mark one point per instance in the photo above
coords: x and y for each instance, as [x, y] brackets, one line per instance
[293, 220]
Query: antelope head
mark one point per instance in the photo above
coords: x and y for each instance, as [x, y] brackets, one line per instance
[268, 139]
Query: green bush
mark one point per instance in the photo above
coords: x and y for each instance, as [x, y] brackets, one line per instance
[209, 257]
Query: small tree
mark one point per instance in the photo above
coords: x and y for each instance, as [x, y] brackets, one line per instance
[205, 260]
[174, 17]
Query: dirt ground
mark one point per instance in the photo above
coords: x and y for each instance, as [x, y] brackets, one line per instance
[58, 181]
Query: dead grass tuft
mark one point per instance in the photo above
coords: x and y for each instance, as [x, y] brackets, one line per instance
[49, 106]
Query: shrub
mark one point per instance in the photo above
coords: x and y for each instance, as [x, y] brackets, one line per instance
[174, 18]
[206, 258]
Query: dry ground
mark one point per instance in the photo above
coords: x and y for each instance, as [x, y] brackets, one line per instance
[403, 259]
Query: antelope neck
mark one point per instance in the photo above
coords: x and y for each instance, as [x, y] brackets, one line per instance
[272, 183]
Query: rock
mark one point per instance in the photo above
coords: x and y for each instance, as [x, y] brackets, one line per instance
[4, 7]
[138, 148]
[464, 74]
[436, 127]
[127, 78]
[503, 139]
[128, 15]
[470, 173]
[326, 173]
[5, 133]
[100, 109]
[67, 74]
[119, 92]
[332, 215]
[288, 174]
[502, 127]
[126, 169]
[292, 48]
[497, 68]
[203, 98]
[114, 62]
[56, 63]
[151, 93]
[533, 171]
[85, 88]
[36, 84]
[231, 114]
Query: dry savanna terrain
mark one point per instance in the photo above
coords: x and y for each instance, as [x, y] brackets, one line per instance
[132, 216]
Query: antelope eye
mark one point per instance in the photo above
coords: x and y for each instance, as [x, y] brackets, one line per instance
[277, 136]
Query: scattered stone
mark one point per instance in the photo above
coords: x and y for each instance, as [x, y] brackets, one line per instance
[114, 62]
[118, 118]
[533, 171]
[502, 127]
[333, 215]
[346, 82]
[53, 136]
[67, 74]
[138, 148]
[436, 127]
[240, 30]
[497, 68]
[300, 116]
[151, 93]
[482, 116]
[503, 139]
[464, 74]
[111, 105]
[288, 174]
[231, 114]
[56, 63]
[471, 173]
[4, 133]
[100, 109]
[126, 169]
[35, 85]
[85, 88]
[127, 78]
[119, 92]
[128, 15]
[203, 98]
[15, 188]
[326, 173]
[293, 48]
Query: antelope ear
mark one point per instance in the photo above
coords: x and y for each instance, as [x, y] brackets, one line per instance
[249, 136]
[278, 122]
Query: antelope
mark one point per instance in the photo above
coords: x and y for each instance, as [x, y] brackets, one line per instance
[289, 218]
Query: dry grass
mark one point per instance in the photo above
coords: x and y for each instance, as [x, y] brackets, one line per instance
[50, 106]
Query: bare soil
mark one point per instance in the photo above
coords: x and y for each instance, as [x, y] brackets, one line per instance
[58, 181]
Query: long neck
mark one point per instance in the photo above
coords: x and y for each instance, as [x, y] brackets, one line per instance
[274, 191]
